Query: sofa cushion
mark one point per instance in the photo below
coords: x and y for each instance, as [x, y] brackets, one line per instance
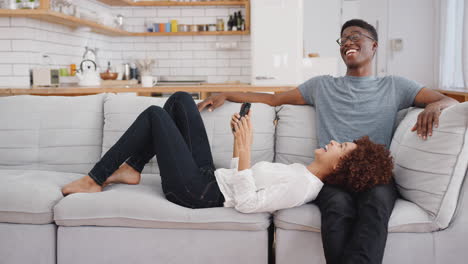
[51, 133]
[406, 217]
[28, 196]
[144, 205]
[430, 172]
[121, 110]
[296, 137]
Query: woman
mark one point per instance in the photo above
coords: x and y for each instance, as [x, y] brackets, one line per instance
[177, 136]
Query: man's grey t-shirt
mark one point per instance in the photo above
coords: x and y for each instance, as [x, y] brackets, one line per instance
[349, 107]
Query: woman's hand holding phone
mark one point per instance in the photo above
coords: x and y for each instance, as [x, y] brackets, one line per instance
[243, 137]
[242, 130]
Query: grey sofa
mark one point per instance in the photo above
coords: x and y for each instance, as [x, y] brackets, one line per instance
[46, 142]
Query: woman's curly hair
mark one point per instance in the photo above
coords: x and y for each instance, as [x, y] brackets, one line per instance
[364, 167]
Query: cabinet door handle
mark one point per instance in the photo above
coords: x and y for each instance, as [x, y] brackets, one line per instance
[264, 78]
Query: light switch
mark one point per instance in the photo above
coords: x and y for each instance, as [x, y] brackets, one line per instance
[396, 44]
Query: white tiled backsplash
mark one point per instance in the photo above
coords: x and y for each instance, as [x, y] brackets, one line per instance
[23, 42]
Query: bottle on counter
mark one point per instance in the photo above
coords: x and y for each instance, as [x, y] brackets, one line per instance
[126, 71]
[72, 69]
[108, 67]
[133, 71]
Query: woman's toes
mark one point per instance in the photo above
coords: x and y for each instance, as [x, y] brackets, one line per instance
[83, 185]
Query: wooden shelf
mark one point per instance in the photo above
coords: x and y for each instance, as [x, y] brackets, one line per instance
[74, 22]
[245, 3]
[59, 18]
[45, 14]
[173, 3]
[201, 33]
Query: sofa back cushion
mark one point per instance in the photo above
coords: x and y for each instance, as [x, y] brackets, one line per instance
[430, 172]
[296, 137]
[121, 110]
[51, 133]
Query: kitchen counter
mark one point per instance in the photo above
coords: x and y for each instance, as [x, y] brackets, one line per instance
[203, 89]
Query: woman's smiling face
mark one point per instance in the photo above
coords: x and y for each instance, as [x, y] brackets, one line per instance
[331, 154]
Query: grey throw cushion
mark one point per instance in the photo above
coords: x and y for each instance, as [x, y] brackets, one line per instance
[430, 172]
[121, 110]
[50, 132]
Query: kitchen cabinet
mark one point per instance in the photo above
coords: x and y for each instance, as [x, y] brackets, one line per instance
[45, 14]
[277, 42]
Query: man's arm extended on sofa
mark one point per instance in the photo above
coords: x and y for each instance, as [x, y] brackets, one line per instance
[291, 97]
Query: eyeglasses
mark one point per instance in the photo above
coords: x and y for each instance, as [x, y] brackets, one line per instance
[355, 37]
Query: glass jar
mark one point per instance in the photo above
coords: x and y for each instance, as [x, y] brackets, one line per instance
[219, 24]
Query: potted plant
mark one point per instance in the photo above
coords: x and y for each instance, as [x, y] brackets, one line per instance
[29, 4]
[19, 4]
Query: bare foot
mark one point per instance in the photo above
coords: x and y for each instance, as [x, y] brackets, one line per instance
[125, 174]
[84, 185]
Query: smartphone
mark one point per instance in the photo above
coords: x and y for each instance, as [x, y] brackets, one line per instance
[245, 107]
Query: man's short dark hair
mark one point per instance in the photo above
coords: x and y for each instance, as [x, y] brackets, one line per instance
[362, 24]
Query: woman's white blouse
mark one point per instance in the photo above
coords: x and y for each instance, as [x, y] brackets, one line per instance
[267, 187]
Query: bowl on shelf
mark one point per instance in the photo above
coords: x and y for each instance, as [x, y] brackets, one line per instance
[109, 75]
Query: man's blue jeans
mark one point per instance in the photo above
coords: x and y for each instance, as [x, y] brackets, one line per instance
[177, 136]
[355, 225]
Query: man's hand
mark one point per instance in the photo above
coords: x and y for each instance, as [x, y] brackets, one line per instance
[427, 119]
[212, 102]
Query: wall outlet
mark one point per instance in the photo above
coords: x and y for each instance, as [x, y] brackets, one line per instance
[226, 45]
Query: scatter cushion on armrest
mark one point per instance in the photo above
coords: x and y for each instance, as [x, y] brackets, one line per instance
[430, 172]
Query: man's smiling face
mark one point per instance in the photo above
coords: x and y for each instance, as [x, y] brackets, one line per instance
[359, 52]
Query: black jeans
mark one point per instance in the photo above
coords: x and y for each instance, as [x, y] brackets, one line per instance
[177, 136]
[354, 225]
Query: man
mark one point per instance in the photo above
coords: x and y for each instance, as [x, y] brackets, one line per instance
[354, 225]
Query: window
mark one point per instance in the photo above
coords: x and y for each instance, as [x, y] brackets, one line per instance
[454, 45]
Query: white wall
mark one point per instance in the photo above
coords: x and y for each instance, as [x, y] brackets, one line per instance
[322, 27]
[23, 41]
[413, 21]
[184, 57]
